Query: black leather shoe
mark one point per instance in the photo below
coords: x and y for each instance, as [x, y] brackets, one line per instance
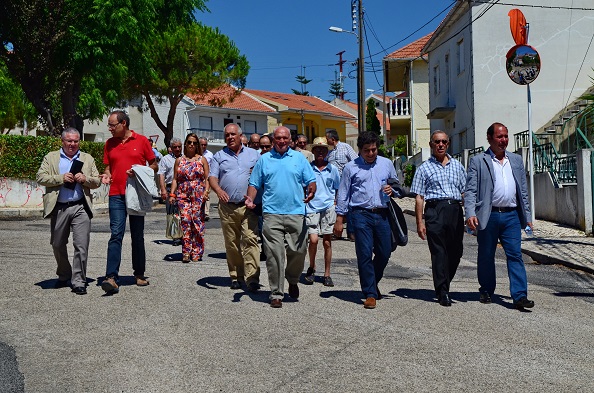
[485, 298]
[444, 300]
[523, 303]
[294, 291]
[79, 290]
[253, 287]
[61, 284]
[235, 284]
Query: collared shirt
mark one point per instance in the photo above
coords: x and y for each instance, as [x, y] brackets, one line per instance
[166, 166]
[504, 189]
[307, 154]
[233, 171]
[342, 154]
[435, 181]
[361, 184]
[283, 178]
[67, 194]
[208, 155]
[121, 156]
[327, 182]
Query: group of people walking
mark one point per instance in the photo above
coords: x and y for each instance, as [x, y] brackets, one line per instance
[290, 197]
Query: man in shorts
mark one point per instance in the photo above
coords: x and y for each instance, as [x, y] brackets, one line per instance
[321, 215]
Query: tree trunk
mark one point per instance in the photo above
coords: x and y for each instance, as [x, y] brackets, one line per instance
[166, 129]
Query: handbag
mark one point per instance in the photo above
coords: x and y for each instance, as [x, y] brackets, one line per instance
[173, 229]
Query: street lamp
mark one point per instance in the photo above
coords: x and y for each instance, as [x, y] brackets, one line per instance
[360, 66]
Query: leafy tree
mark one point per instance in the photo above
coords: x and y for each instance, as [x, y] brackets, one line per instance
[72, 57]
[14, 107]
[372, 123]
[304, 81]
[190, 58]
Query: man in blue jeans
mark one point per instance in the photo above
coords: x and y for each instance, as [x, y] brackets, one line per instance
[496, 206]
[362, 193]
[124, 149]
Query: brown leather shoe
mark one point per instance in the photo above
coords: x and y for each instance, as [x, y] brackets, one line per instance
[294, 291]
[369, 303]
[276, 303]
[141, 281]
[110, 286]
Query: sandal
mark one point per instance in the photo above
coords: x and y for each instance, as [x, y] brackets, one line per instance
[186, 258]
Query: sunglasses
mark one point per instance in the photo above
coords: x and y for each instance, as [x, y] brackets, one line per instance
[442, 141]
[192, 143]
[266, 146]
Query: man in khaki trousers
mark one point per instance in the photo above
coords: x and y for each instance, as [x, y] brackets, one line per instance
[230, 171]
[69, 175]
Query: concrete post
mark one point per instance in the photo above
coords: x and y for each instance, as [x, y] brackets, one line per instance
[584, 188]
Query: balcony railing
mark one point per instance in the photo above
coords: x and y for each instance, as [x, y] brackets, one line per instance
[399, 106]
[211, 135]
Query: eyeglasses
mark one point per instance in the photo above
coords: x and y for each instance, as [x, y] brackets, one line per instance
[266, 146]
[192, 143]
[442, 141]
[113, 125]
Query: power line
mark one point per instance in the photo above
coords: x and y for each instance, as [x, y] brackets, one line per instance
[555, 7]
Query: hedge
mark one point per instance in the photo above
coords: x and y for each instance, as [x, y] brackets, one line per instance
[21, 156]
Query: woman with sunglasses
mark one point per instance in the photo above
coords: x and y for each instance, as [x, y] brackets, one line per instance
[190, 188]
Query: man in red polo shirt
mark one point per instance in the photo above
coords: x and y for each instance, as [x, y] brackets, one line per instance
[124, 149]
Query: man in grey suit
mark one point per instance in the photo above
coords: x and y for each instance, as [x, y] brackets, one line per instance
[496, 205]
[68, 202]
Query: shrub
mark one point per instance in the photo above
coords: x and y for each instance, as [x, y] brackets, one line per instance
[21, 156]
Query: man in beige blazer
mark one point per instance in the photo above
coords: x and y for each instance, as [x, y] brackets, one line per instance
[69, 175]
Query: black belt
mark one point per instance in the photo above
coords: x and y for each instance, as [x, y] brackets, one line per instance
[502, 209]
[435, 202]
[373, 210]
[72, 203]
[242, 203]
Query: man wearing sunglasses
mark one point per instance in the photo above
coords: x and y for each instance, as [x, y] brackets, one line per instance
[123, 150]
[439, 184]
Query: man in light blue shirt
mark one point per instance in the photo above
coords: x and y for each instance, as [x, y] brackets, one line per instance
[230, 170]
[364, 193]
[283, 173]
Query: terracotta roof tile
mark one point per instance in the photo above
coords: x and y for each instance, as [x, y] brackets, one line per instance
[241, 102]
[297, 102]
[412, 50]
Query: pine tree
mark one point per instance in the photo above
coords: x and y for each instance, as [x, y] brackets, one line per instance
[372, 123]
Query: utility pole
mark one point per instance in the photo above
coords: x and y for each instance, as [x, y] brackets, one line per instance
[341, 78]
[361, 63]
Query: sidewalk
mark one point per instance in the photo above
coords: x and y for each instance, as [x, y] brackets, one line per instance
[551, 243]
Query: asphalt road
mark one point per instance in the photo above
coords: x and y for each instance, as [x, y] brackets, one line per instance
[188, 331]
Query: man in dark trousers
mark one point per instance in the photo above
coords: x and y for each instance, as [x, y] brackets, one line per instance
[439, 183]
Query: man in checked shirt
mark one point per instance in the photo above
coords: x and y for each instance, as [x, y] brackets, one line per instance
[439, 184]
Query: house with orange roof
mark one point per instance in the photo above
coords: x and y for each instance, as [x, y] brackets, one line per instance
[406, 74]
[208, 114]
[306, 115]
[352, 127]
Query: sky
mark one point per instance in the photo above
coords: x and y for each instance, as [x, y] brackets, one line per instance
[283, 38]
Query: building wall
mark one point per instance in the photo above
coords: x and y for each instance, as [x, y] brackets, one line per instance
[419, 96]
[483, 93]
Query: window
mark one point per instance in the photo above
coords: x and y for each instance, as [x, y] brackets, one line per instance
[249, 127]
[205, 123]
[436, 80]
[460, 56]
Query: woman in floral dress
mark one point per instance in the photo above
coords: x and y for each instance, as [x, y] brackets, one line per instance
[190, 188]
